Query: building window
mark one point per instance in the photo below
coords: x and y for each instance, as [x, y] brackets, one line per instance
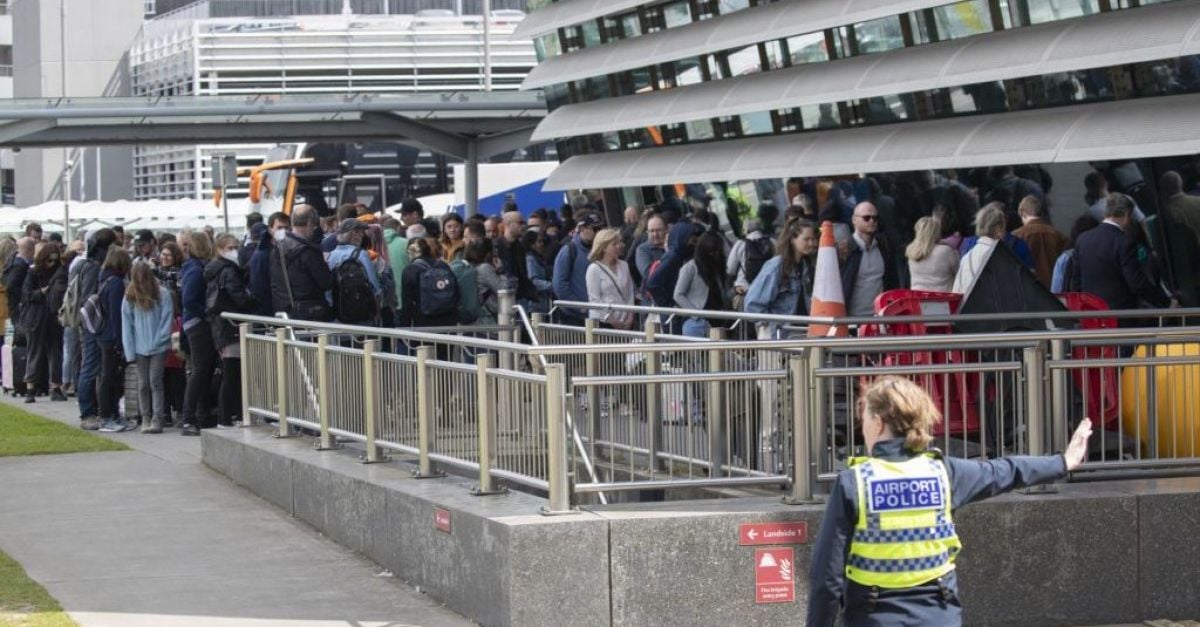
[150, 7]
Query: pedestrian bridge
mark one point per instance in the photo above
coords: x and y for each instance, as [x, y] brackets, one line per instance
[530, 461]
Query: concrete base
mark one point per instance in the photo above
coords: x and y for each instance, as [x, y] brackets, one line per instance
[1088, 554]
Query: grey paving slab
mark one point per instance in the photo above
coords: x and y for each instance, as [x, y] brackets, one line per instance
[152, 537]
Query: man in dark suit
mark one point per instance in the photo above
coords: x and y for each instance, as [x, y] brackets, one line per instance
[1106, 262]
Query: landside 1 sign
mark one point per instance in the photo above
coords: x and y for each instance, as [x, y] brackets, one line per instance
[751, 534]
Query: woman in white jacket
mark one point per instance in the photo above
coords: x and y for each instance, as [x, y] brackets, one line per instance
[608, 279]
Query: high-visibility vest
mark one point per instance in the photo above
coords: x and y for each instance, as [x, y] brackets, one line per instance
[904, 535]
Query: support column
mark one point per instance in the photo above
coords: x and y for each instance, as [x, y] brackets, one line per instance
[471, 176]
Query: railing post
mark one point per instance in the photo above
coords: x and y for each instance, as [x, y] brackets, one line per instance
[244, 347]
[815, 422]
[1059, 415]
[559, 476]
[373, 455]
[507, 299]
[590, 369]
[281, 381]
[487, 416]
[535, 322]
[800, 368]
[326, 442]
[715, 416]
[654, 401]
[1035, 399]
[424, 413]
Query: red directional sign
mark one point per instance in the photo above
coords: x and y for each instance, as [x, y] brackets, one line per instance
[441, 519]
[774, 576]
[750, 534]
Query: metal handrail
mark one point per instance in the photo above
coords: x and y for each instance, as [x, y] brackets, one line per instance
[588, 465]
[885, 343]
[862, 320]
[400, 334]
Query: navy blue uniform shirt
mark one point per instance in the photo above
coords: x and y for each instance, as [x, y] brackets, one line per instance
[926, 604]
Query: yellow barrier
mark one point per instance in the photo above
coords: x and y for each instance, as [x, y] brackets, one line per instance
[1178, 406]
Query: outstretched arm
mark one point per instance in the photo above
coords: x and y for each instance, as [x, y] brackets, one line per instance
[977, 480]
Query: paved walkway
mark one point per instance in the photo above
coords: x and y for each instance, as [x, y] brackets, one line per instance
[152, 537]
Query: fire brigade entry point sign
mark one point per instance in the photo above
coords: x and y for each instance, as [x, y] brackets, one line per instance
[774, 576]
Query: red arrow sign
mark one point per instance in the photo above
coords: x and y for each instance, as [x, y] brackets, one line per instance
[750, 534]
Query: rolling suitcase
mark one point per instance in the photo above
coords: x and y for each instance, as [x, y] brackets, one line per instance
[14, 362]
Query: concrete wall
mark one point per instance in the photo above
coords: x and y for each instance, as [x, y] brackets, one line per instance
[99, 34]
[1085, 554]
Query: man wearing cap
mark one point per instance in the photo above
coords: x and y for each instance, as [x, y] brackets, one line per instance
[349, 244]
[570, 266]
[145, 248]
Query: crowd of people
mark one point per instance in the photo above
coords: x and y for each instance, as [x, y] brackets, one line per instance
[87, 314]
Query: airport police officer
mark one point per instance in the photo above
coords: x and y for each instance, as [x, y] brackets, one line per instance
[886, 548]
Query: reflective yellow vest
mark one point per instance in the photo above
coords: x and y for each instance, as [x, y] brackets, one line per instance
[904, 535]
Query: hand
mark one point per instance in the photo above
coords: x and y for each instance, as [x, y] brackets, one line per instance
[1077, 449]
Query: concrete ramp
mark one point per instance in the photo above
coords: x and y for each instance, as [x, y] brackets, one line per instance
[1087, 554]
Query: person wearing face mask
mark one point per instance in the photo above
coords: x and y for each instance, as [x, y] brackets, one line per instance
[226, 293]
[886, 547]
[571, 265]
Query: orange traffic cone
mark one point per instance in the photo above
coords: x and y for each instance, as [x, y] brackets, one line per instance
[827, 298]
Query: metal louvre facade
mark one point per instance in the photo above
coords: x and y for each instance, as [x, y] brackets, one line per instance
[802, 88]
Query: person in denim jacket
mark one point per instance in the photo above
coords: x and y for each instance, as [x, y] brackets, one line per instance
[784, 286]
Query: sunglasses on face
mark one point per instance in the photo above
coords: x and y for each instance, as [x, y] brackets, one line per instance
[868, 218]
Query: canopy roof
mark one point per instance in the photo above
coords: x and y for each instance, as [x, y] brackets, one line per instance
[447, 123]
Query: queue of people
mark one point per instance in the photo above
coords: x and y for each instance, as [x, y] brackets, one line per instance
[84, 314]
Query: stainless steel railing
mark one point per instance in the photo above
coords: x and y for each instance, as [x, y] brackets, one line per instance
[606, 411]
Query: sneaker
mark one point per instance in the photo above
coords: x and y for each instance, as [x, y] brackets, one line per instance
[89, 424]
[57, 395]
[30, 398]
[127, 425]
[111, 425]
[224, 426]
[189, 429]
[152, 427]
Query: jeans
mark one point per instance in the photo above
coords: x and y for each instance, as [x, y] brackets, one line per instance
[70, 362]
[196, 400]
[111, 383]
[151, 391]
[695, 327]
[89, 369]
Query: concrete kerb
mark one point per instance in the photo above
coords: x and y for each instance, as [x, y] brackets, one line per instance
[1090, 553]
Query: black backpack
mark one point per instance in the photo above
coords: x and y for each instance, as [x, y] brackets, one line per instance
[353, 296]
[758, 251]
[438, 289]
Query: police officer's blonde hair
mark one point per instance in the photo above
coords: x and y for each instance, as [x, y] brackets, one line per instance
[905, 408]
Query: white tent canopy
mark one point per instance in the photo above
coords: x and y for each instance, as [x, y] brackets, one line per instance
[156, 215]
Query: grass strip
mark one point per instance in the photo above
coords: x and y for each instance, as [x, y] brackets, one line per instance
[23, 433]
[24, 603]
